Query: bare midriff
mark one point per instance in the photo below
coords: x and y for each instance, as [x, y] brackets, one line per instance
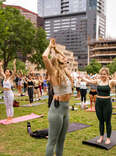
[63, 98]
[92, 90]
[6, 89]
[103, 97]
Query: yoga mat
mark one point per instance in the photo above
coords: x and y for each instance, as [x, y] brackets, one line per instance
[28, 105]
[113, 99]
[87, 103]
[76, 126]
[44, 97]
[20, 119]
[93, 142]
[44, 132]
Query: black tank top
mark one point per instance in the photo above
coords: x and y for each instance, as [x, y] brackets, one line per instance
[30, 83]
[103, 90]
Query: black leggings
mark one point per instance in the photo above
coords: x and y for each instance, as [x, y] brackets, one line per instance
[83, 93]
[30, 94]
[104, 113]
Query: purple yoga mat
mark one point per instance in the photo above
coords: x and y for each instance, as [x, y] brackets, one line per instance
[76, 126]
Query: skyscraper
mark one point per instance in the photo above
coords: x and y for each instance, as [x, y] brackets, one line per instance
[73, 22]
[57, 7]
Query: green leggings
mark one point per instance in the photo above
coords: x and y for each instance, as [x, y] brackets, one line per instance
[58, 125]
[104, 113]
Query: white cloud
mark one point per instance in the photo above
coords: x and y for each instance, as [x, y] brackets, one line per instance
[110, 18]
[28, 4]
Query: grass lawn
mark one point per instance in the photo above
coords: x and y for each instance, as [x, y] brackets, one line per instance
[15, 141]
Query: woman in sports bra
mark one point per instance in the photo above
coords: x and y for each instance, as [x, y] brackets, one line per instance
[30, 86]
[103, 103]
[58, 113]
[8, 94]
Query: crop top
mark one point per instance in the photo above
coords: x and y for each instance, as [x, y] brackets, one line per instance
[30, 83]
[6, 84]
[64, 88]
[92, 86]
[103, 90]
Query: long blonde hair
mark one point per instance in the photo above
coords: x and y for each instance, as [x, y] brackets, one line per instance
[104, 69]
[60, 74]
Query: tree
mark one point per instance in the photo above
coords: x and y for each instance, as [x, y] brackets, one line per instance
[112, 66]
[20, 66]
[40, 44]
[16, 34]
[93, 67]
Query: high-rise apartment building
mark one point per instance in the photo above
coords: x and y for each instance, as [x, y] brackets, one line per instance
[73, 23]
[57, 7]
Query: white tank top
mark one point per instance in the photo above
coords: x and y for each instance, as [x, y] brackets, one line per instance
[6, 84]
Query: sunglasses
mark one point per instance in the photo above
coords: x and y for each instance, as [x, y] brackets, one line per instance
[60, 62]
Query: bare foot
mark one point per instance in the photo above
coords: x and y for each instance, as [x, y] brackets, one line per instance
[30, 104]
[100, 140]
[9, 118]
[107, 142]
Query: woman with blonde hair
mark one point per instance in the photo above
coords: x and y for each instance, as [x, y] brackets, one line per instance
[58, 113]
[103, 103]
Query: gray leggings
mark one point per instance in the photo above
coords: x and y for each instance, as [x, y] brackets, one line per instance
[8, 99]
[58, 125]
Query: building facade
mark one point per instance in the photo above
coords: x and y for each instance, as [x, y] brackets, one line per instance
[73, 23]
[72, 63]
[104, 51]
[69, 30]
[57, 7]
[32, 16]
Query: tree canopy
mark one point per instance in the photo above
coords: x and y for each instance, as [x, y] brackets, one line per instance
[93, 67]
[112, 66]
[20, 66]
[18, 34]
[40, 44]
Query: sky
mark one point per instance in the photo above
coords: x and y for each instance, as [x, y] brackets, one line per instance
[110, 13]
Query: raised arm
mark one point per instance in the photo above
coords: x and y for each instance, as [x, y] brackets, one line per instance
[112, 83]
[14, 70]
[89, 81]
[46, 59]
[1, 69]
[58, 51]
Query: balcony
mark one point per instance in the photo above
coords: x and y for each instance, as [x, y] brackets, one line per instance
[100, 54]
[100, 48]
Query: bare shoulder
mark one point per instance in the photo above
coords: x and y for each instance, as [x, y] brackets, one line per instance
[98, 81]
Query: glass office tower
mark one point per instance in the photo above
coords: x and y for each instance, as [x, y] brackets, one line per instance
[73, 23]
[49, 7]
[57, 7]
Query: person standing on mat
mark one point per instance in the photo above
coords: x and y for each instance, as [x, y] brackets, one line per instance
[103, 103]
[58, 115]
[8, 94]
[92, 95]
[83, 93]
[30, 86]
